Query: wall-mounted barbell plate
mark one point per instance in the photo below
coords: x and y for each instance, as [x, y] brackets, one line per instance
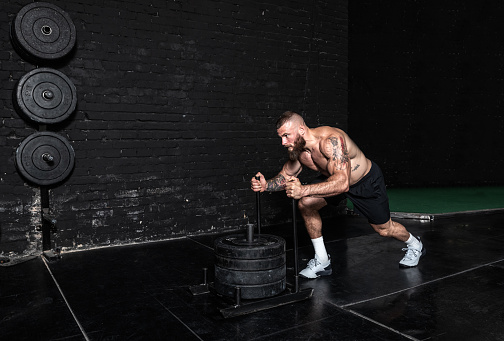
[45, 158]
[46, 96]
[43, 32]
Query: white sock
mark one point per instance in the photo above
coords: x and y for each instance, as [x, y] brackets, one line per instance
[320, 250]
[412, 241]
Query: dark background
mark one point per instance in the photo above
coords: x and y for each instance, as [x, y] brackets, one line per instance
[177, 102]
[426, 90]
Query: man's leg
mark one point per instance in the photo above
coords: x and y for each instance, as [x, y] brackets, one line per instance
[369, 197]
[309, 208]
[396, 230]
[392, 229]
[321, 264]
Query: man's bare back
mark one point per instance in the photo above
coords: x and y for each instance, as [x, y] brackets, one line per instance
[315, 158]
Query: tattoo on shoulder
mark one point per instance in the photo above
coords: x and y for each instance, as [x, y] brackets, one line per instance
[276, 184]
[340, 152]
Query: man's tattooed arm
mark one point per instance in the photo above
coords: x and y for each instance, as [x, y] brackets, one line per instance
[339, 153]
[338, 166]
[276, 184]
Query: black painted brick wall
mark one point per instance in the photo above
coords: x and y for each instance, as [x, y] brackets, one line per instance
[427, 90]
[176, 108]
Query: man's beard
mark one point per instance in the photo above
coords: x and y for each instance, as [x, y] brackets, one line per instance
[297, 149]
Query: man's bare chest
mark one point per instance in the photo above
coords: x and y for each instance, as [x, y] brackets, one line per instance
[314, 160]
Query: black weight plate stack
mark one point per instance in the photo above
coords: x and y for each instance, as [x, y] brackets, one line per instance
[42, 32]
[257, 267]
[46, 96]
[45, 158]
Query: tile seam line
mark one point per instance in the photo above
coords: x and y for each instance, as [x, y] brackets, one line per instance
[177, 318]
[199, 243]
[420, 285]
[262, 337]
[381, 325]
[64, 298]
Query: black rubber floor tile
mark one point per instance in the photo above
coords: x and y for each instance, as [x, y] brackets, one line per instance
[466, 306]
[31, 307]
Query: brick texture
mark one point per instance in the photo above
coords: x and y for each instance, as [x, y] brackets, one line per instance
[176, 108]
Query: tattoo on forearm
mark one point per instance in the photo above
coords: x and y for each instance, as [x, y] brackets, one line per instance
[276, 184]
[340, 152]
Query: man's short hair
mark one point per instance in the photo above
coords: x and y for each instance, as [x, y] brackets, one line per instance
[285, 117]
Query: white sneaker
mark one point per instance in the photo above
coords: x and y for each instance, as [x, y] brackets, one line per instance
[316, 269]
[412, 255]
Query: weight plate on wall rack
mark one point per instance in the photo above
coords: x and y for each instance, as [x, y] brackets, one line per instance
[43, 32]
[45, 158]
[46, 96]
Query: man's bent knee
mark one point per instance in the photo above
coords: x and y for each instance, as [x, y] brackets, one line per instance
[309, 203]
[384, 230]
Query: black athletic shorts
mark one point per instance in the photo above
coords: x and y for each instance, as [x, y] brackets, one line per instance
[369, 196]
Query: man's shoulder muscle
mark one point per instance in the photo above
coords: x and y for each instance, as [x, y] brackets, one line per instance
[334, 147]
[333, 142]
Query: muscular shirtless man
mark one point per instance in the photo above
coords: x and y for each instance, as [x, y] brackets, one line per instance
[345, 173]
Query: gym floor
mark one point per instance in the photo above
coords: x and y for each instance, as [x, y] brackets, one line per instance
[141, 292]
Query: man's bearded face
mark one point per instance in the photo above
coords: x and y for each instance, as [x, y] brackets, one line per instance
[297, 148]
